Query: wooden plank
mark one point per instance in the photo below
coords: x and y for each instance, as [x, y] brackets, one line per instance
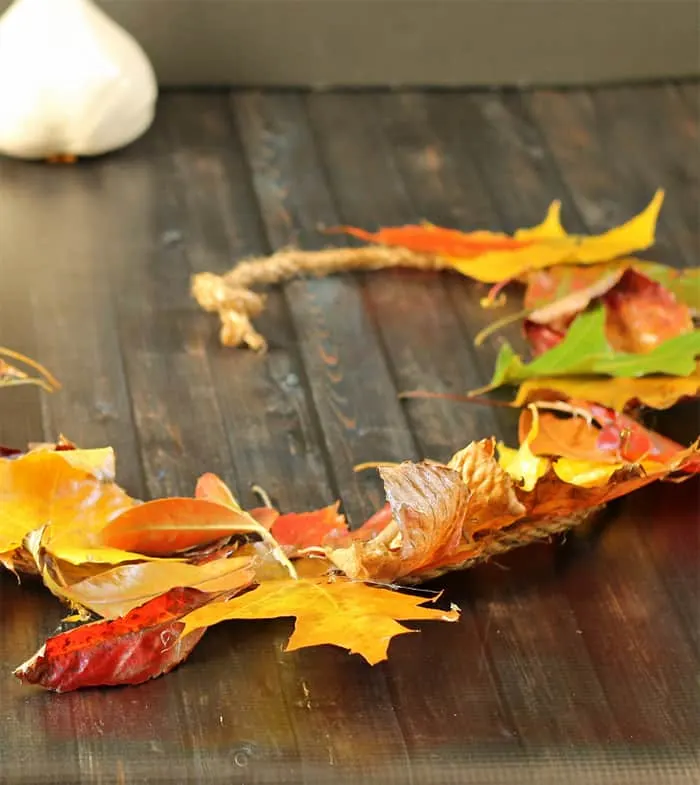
[573, 140]
[21, 420]
[343, 365]
[257, 403]
[623, 579]
[535, 660]
[421, 335]
[59, 268]
[57, 291]
[258, 395]
[613, 184]
[354, 393]
[641, 126]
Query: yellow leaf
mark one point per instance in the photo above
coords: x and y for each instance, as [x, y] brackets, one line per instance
[521, 464]
[115, 592]
[551, 246]
[657, 392]
[354, 616]
[593, 474]
[549, 229]
[99, 461]
[42, 488]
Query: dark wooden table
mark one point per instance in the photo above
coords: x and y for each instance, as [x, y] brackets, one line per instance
[574, 662]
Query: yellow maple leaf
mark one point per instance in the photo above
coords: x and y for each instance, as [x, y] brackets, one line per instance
[360, 618]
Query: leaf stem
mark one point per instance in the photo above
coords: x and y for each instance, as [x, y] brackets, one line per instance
[48, 376]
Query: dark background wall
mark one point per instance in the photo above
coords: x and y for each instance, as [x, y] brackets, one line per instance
[413, 42]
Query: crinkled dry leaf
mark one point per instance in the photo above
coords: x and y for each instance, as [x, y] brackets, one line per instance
[430, 508]
[117, 591]
[362, 619]
[554, 495]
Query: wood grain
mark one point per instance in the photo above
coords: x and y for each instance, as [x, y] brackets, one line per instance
[573, 662]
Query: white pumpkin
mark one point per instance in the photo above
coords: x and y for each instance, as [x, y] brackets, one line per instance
[72, 82]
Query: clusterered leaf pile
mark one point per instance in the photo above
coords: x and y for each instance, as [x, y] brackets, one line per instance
[144, 581]
[608, 332]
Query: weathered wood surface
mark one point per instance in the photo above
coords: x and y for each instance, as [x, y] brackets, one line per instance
[574, 661]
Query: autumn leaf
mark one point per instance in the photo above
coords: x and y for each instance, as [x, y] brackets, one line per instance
[146, 643]
[45, 488]
[684, 285]
[563, 291]
[434, 239]
[586, 351]
[560, 292]
[508, 504]
[592, 432]
[657, 392]
[214, 489]
[300, 531]
[164, 527]
[117, 591]
[641, 314]
[491, 257]
[362, 619]
[525, 464]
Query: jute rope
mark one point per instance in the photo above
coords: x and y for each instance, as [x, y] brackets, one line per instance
[498, 542]
[232, 297]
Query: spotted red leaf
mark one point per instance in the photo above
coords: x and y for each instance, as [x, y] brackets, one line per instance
[143, 644]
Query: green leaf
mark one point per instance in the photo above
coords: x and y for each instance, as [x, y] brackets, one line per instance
[585, 351]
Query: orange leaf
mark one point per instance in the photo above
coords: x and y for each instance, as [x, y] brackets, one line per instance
[167, 526]
[607, 436]
[362, 619]
[434, 239]
[560, 292]
[641, 314]
[298, 531]
[213, 489]
[491, 257]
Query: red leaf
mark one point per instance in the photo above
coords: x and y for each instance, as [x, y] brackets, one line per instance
[142, 645]
[641, 314]
[610, 436]
[543, 337]
[308, 529]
